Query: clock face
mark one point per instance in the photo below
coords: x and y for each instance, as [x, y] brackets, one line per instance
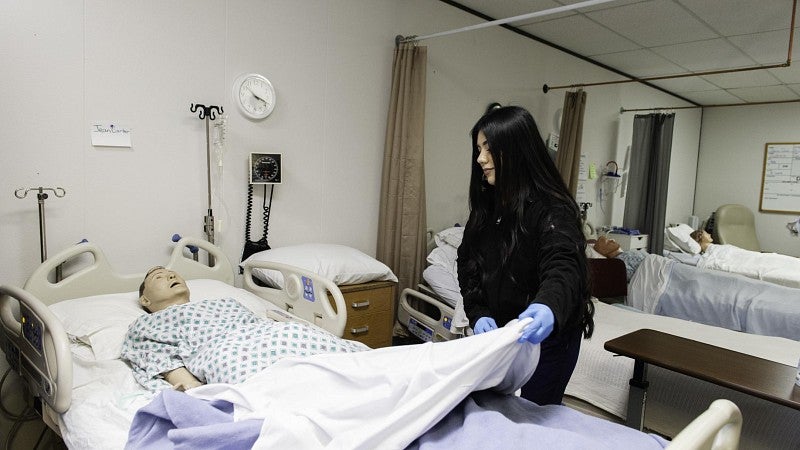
[265, 168]
[254, 95]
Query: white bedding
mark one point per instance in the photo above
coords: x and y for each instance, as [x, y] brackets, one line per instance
[772, 267]
[601, 378]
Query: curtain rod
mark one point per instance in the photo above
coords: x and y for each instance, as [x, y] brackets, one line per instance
[401, 39]
[788, 63]
[719, 105]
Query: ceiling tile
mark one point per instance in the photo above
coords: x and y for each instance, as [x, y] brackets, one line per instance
[705, 55]
[654, 23]
[640, 63]
[684, 85]
[765, 48]
[735, 17]
[715, 97]
[750, 78]
[787, 74]
[764, 94]
[593, 38]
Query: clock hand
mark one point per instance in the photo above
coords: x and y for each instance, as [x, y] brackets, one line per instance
[257, 96]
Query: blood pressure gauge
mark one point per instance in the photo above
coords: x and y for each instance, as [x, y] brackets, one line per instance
[265, 168]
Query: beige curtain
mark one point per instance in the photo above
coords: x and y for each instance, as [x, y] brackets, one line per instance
[568, 156]
[402, 222]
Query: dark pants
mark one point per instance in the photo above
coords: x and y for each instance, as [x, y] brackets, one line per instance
[559, 354]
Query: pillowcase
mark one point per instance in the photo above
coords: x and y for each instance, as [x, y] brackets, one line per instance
[338, 263]
[451, 236]
[102, 321]
[680, 235]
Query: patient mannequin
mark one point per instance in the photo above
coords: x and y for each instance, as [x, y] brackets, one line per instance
[185, 344]
[610, 249]
[703, 238]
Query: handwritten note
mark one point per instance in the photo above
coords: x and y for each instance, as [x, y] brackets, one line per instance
[110, 134]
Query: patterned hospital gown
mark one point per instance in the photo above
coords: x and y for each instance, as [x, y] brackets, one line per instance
[218, 341]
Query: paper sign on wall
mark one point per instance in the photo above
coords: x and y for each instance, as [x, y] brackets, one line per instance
[110, 134]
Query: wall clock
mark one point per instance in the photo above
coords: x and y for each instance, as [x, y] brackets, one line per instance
[254, 95]
[265, 168]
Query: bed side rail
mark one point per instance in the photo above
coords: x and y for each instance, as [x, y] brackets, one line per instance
[305, 294]
[191, 269]
[424, 326]
[37, 347]
[94, 278]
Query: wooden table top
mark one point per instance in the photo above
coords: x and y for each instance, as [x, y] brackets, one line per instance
[745, 373]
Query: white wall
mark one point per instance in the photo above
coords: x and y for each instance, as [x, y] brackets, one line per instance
[142, 63]
[468, 71]
[732, 161]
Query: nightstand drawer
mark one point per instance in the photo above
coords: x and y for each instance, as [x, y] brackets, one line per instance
[370, 312]
[630, 242]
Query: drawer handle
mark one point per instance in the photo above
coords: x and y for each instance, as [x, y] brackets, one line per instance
[364, 304]
[360, 330]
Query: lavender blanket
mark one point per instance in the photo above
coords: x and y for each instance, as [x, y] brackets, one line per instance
[484, 420]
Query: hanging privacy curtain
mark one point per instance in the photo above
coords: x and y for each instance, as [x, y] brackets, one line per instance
[402, 222]
[648, 177]
[568, 156]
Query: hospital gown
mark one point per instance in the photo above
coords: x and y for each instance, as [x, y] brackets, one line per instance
[218, 341]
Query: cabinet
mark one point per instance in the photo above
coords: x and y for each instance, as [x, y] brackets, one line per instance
[370, 312]
[628, 242]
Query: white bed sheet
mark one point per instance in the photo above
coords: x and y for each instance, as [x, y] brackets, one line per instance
[601, 378]
[773, 267]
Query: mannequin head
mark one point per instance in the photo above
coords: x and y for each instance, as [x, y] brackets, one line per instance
[162, 288]
[607, 247]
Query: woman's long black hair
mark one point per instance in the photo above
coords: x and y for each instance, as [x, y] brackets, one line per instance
[524, 171]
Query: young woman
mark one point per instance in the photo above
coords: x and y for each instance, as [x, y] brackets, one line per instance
[523, 251]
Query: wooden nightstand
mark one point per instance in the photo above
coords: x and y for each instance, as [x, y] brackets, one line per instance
[370, 312]
[630, 242]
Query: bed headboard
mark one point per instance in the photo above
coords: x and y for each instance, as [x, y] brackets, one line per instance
[98, 277]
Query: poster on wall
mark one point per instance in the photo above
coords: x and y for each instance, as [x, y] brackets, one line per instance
[780, 180]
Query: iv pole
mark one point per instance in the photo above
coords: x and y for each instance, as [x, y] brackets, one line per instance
[208, 113]
[41, 196]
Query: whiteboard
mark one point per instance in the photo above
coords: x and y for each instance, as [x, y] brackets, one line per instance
[780, 183]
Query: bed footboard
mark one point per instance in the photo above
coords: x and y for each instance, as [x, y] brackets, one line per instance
[426, 318]
[304, 295]
[37, 347]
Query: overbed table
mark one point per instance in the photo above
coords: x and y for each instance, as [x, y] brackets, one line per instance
[745, 373]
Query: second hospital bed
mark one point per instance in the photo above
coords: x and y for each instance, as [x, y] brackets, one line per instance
[90, 395]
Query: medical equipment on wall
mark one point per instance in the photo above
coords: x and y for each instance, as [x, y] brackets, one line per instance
[264, 169]
[794, 227]
[208, 113]
[41, 196]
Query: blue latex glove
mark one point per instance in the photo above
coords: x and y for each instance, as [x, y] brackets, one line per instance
[542, 325]
[484, 324]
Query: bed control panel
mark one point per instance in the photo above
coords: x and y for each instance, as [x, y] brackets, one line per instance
[308, 289]
[32, 329]
[420, 330]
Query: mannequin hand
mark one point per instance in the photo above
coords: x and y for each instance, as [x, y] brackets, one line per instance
[542, 325]
[484, 324]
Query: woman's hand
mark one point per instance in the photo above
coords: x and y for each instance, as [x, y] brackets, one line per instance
[542, 325]
[484, 324]
[181, 379]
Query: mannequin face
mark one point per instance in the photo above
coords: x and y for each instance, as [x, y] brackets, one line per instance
[607, 247]
[163, 288]
[485, 158]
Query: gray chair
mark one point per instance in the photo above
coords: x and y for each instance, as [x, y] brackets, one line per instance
[735, 225]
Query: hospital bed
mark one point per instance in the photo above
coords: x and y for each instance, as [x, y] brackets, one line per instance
[667, 287]
[750, 262]
[64, 339]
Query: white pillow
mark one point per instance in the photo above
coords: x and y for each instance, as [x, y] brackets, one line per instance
[102, 321]
[338, 263]
[680, 235]
[451, 236]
